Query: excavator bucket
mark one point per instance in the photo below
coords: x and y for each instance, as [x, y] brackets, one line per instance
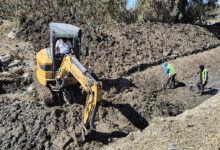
[88, 129]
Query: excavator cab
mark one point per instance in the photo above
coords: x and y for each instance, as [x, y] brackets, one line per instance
[46, 60]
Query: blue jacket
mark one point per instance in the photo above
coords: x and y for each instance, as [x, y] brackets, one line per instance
[166, 69]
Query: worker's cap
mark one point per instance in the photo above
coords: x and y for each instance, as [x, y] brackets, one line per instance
[201, 67]
[165, 64]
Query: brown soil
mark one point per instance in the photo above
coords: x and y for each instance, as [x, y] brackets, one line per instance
[119, 49]
[125, 58]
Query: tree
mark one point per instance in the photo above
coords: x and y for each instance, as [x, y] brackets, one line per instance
[212, 3]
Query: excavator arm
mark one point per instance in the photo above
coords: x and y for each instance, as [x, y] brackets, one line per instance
[93, 88]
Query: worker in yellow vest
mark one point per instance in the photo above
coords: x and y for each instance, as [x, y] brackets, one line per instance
[171, 72]
[203, 79]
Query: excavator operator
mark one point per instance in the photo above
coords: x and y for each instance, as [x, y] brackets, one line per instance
[63, 47]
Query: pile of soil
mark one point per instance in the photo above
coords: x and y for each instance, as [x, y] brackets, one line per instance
[119, 49]
[28, 125]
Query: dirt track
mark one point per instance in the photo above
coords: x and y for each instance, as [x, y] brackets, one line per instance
[130, 99]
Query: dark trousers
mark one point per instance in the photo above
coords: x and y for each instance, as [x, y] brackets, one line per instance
[171, 81]
[201, 86]
[59, 59]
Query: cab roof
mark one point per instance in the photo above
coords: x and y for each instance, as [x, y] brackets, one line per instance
[62, 30]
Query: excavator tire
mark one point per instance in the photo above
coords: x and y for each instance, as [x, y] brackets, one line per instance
[44, 93]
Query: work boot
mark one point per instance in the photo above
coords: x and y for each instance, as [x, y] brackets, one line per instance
[198, 92]
[201, 93]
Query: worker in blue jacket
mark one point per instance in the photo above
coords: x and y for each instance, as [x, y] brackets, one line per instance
[171, 72]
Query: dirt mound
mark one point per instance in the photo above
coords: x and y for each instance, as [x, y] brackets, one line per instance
[35, 28]
[28, 125]
[119, 49]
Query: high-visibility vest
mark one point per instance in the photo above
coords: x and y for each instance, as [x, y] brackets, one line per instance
[171, 71]
[203, 74]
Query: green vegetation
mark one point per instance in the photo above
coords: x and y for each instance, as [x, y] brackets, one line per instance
[98, 12]
[162, 10]
[95, 12]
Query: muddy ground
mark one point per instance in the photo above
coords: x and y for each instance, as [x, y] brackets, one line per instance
[127, 59]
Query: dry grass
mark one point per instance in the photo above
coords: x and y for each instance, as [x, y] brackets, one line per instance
[8, 26]
[7, 45]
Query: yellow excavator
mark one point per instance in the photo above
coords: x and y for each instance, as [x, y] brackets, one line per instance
[57, 78]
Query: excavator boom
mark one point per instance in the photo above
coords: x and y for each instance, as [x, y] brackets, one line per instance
[93, 88]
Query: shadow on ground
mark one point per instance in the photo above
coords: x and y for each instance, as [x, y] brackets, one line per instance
[215, 29]
[2, 90]
[7, 87]
[130, 113]
[120, 84]
[210, 91]
[105, 138]
[179, 84]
